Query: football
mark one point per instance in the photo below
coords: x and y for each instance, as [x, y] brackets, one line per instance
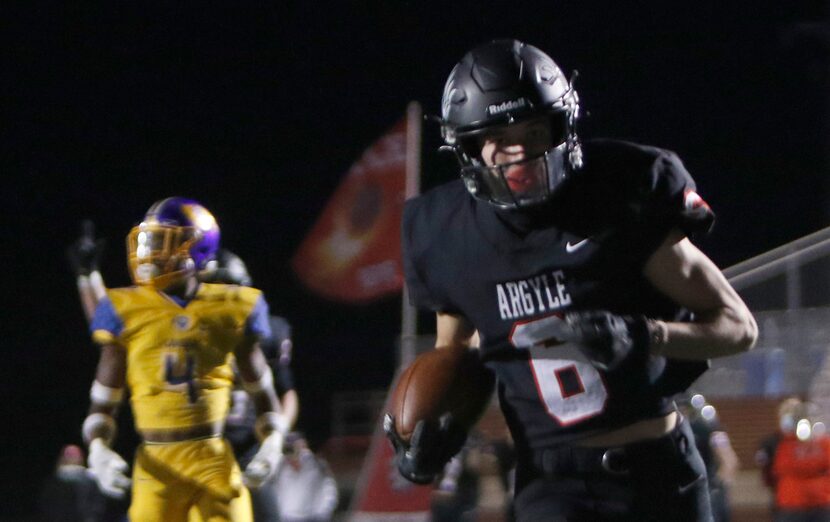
[444, 380]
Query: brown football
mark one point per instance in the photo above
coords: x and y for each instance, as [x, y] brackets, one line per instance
[443, 380]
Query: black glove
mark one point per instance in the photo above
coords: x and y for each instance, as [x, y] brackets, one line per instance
[607, 339]
[432, 445]
[85, 253]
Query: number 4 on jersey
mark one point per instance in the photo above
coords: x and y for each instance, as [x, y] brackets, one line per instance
[174, 375]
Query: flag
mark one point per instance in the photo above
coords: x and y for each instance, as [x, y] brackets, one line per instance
[353, 251]
[382, 494]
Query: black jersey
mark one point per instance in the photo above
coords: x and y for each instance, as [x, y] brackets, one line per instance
[586, 249]
[277, 350]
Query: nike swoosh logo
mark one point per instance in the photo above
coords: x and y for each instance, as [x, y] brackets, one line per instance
[571, 248]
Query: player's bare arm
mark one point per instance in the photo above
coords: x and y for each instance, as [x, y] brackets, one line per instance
[723, 324]
[453, 329]
[290, 403]
[271, 425]
[256, 376]
[107, 391]
[106, 394]
[84, 257]
[91, 290]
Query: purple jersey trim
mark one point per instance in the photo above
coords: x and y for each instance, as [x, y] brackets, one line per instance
[257, 322]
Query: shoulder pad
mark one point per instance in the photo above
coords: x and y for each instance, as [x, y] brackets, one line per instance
[231, 293]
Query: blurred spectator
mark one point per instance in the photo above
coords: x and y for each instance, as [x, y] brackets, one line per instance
[306, 489]
[765, 455]
[71, 495]
[456, 495]
[801, 468]
[475, 484]
[715, 448]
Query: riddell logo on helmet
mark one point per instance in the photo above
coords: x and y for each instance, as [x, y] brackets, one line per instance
[505, 106]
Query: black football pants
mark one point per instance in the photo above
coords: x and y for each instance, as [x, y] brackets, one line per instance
[658, 480]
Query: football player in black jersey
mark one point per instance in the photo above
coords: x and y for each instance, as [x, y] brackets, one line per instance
[571, 262]
[229, 268]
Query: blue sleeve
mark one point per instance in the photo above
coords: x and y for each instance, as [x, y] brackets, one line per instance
[105, 324]
[257, 323]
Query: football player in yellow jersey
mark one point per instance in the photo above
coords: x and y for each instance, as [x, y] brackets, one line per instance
[173, 341]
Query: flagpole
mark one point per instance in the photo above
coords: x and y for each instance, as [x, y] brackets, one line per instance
[378, 461]
[409, 314]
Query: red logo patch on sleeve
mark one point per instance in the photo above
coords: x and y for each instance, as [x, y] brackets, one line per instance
[693, 201]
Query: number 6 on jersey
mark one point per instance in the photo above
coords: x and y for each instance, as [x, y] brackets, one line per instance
[571, 389]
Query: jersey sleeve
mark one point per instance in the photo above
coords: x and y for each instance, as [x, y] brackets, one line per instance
[415, 244]
[285, 377]
[257, 323]
[280, 328]
[674, 198]
[278, 344]
[665, 198]
[106, 325]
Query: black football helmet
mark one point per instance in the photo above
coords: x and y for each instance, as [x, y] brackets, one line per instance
[227, 268]
[501, 83]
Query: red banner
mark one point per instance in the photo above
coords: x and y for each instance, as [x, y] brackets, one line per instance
[382, 494]
[353, 252]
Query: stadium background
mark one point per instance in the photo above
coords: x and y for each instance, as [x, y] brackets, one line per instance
[257, 111]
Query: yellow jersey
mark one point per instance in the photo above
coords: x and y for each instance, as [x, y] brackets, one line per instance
[179, 353]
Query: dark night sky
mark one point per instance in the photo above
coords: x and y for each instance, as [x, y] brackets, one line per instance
[258, 111]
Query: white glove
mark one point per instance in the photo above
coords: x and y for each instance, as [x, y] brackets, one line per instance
[109, 469]
[266, 461]
[271, 421]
